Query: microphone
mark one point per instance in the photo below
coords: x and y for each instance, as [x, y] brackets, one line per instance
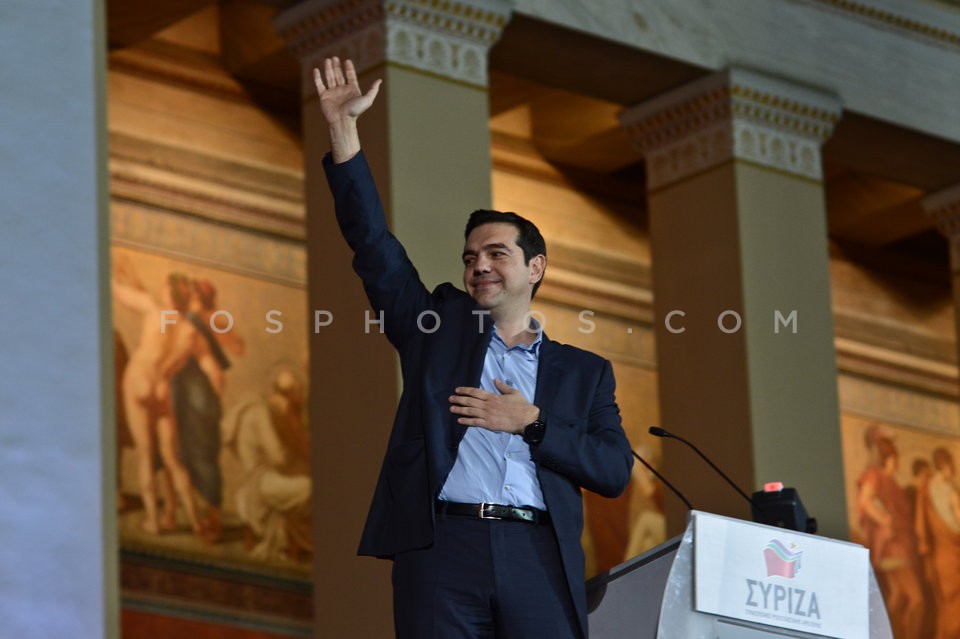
[659, 432]
[663, 479]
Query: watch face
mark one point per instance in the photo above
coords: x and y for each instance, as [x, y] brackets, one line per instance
[533, 433]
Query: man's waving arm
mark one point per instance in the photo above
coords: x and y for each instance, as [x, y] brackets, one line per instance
[342, 102]
[389, 279]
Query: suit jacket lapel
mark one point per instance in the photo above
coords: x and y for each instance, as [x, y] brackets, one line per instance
[548, 374]
[474, 368]
[479, 351]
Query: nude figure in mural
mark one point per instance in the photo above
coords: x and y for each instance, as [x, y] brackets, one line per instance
[150, 417]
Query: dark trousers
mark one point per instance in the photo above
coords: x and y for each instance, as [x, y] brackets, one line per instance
[484, 578]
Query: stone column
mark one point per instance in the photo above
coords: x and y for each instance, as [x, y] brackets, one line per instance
[944, 207]
[744, 329]
[427, 141]
[58, 545]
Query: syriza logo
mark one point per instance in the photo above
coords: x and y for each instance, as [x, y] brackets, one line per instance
[782, 561]
[780, 601]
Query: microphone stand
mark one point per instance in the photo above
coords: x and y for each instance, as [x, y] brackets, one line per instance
[659, 432]
[664, 480]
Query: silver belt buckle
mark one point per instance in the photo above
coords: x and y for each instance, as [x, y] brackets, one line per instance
[483, 507]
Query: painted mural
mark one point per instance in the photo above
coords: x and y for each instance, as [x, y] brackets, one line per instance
[904, 505]
[213, 438]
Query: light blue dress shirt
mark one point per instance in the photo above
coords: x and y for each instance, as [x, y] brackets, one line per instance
[495, 467]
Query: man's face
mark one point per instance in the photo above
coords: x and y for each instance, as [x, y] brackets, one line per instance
[495, 273]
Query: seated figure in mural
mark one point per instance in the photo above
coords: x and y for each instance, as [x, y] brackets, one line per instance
[942, 521]
[149, 417]
[272, 443]
[887, 520]
[193, 374]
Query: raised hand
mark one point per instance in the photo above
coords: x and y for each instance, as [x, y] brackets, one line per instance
[342, 102]
[340, 97]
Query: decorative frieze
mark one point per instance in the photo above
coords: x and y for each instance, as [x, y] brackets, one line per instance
[895, 18]
[192, 239]
[898, 405]
[732, 114]
[449, 38]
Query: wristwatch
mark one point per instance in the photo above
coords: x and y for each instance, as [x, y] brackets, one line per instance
[534, 431]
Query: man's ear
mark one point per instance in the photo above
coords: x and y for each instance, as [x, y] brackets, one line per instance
[538, 264]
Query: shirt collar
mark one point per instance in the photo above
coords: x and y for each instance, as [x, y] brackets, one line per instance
[534, 346]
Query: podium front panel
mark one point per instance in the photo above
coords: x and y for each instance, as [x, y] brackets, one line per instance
[626, 600]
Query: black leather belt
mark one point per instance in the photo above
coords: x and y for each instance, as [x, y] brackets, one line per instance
[494, 511]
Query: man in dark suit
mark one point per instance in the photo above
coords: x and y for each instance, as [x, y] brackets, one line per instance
[498, 428]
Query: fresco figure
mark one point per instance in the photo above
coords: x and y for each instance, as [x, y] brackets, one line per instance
[205, 306]
[919, 494]
[149, 414]
[887, 520]
[942, 518]
[124, 439]
[196, 367]
[272, 443]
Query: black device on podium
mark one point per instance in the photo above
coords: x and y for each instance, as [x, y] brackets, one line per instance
[774, 506]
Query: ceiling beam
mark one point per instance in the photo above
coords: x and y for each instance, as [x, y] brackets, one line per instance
[872, 147]
[132, 21]
[251, 49]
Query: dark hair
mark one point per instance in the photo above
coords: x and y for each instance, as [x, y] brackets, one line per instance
[871, 434]
[886, 448]
[179, 291]
[942, 459]
[206, 293]
[529, 238]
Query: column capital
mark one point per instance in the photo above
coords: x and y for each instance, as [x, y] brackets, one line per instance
[449, 38]
[944, 207]
[732, 114]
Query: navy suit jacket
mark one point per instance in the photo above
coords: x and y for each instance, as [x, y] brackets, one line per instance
[584, 445]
